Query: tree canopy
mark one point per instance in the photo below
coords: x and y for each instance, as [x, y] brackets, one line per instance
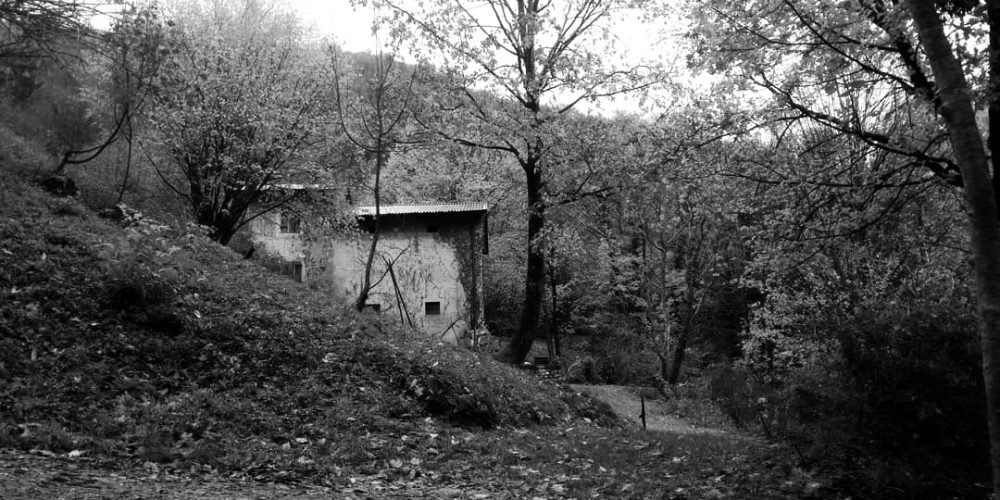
[540, 60]
[241, 100]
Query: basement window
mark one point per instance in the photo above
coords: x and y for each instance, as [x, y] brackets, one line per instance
[372, 307]
[290, 222]
[432, 308]
[292, 270]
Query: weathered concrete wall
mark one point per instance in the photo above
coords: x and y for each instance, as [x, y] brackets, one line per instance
[435, 258]
[266, 236]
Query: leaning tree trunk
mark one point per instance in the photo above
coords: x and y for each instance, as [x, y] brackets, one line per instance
[664, 366]
[366, 285]
[678, 357]
[553, 340]
[960, 118]
[993, 13]
[692, 306]
[534, 287]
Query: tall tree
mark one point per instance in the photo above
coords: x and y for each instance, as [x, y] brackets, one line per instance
[958, 112]
[241, 104]
[669, 229]
[537, 61]
[884, 72]
[374, 118]
[129, 58]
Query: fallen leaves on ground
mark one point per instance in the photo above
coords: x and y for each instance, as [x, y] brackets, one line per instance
[545, 463]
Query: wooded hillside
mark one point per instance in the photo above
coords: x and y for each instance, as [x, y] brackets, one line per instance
[793, 233]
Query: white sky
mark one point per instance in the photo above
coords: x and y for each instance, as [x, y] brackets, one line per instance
[351, 28]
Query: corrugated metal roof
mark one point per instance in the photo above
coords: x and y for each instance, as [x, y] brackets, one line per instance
[437, 208]
[291, 186]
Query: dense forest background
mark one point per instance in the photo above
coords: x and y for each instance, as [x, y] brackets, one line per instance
[785, 241]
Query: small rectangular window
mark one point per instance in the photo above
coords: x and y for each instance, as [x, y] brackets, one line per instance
[292, 270]
[290, 222]
[372, 307]
[432, 308]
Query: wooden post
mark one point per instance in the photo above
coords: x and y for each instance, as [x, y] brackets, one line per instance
[642, 414]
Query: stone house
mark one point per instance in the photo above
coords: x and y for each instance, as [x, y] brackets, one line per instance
[427, 271]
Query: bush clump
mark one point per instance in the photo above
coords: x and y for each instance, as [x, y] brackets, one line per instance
[465, 388]
[896, 385]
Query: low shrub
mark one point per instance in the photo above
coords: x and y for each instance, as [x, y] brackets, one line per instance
[613, 361]
[464, 388]
[133, 285]
[583, 370]
[903, 391]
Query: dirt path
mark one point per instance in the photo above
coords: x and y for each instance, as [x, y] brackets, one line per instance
[626, 403]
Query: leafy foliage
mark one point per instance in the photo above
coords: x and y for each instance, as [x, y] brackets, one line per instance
[527, 54]
[900, 384]
[854, 70]
[240, 103]
[35, 29]
[854, 260]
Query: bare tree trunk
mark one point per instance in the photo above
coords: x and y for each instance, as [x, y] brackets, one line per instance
[980, 197]
[664, 366]
[553, 341]
[534, 288]
[534, 284]
[366, 284]
[128, 164]
[692, 306]
[70, 156]
[380, 129]
[993, 13]
[404, 312]
[678, 357]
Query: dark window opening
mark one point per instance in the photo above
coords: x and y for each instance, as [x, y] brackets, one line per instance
[292, 270]
[431, 308]
[372, 307]
[290, 222]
